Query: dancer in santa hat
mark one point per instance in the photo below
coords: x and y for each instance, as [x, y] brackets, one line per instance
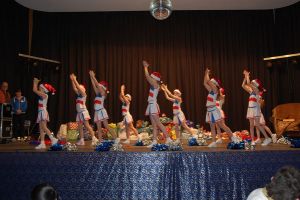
[83, 115]
[219, 103]
[213, 114]
[153, 108]
[128, 120]
[43, 116]
[262, 121]
[179, 117]
[254, 110]
[100, 115]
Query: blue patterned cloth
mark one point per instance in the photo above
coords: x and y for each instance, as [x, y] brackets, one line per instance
[148, 175]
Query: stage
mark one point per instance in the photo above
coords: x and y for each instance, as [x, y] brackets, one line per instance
[137, 173]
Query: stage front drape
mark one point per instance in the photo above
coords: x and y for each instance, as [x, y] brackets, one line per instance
[113, 44]
[153, 175]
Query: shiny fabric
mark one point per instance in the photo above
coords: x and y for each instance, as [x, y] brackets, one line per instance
[136, 175]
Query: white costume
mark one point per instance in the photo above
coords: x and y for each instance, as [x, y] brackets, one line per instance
[126, 114]
[82, 112]
[178, 114]
[153, 107]
[253, 106]
[213, 114]
[100, 111]
[42, 110]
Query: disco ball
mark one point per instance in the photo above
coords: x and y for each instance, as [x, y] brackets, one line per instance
[161, 9]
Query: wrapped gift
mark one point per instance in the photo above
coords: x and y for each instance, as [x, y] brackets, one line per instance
[72, 135]
[72, 126]
[62, 132]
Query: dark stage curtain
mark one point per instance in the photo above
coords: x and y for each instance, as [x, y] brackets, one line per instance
[181, 47]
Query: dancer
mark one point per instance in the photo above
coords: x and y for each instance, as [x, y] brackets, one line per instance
[153, 108]
[101, 115]
[262, 122]
[213, 115]
[219, 103]
[43, 116]
[179, 118]
[254, 111]
[83, 115]
[128, 121]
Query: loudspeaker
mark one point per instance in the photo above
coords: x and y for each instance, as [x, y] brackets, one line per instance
[6, 128]
[5, 110]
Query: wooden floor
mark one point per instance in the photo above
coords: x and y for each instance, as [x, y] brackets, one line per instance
[26, 147]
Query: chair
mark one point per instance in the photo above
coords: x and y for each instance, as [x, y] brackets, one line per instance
[27, 124]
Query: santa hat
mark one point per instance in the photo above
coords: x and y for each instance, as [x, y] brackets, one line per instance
[128, 96]
[177, 91]
[48, 88]
[222, 91]
[257, 83]
[103, 84]
[216, 82]
[155, 75]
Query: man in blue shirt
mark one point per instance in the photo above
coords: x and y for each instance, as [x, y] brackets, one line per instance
[19, 108]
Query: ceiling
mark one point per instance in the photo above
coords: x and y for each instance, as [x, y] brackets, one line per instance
[143, 5]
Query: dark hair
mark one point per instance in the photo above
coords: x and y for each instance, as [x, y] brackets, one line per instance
[44, 191]
[285, 184]
[18, 90]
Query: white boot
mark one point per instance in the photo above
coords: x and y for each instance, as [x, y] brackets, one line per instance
[80, 142]
[213, 144]
[154, 142]
[53, 139]
[94, 141]
[177, 142]
[126, 141]
[266, 142]
[257, 141]
[41, 146]
[117, 140]
[219, 141]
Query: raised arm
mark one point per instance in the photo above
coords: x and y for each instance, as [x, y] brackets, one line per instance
[150, 80]
[77, 85]
[73, 84]
[94, 81]
[245, 86]
[206, 80]
[35, 88]
[166, 94]
[122, 95]
[211, 86]
[170, 93]
[98, 86]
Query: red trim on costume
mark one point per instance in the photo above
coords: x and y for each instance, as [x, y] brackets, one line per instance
[210, 99]
[217, 104]
[175, 108]
[79, 102]
[97, 102]
[124, 110]
[151, 94]
[252, 99]
[40, 105]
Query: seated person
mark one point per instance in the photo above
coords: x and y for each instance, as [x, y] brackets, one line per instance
[19, 108]
[284, 185]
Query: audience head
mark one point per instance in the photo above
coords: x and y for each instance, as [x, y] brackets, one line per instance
[285, 184]
[44, 191]
[4, 86]
[18, 93]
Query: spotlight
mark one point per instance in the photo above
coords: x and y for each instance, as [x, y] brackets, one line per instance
[160, 9]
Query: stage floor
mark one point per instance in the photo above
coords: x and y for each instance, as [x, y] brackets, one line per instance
[26, 147]
[195, 173]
